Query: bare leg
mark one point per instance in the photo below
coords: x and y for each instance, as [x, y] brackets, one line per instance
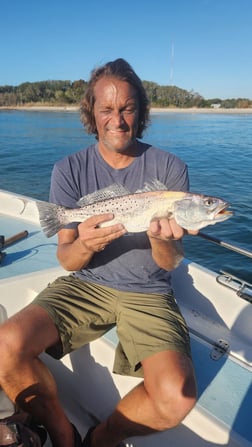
[25, 379]
[161, 402]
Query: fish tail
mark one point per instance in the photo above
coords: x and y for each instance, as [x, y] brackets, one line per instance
[49, 219]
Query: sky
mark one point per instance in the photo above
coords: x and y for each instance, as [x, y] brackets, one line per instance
[203, 46]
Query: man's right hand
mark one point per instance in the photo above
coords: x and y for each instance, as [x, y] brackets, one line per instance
[96, 238]
[77, 246]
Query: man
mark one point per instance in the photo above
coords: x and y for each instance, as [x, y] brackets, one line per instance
[120, 279]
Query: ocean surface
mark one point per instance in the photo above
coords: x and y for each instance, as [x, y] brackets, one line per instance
[216, 147]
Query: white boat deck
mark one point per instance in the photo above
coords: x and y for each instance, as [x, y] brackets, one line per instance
[87, 387]
[31, 254]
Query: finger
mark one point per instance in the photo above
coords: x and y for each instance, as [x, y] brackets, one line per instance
[192, 232]
[95, 238]
[160, 229]
[110, 234]
[100, 248]
[176, 230]
[154, 227]
[166, 229]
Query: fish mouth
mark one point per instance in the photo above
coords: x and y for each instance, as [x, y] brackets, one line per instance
[223, 213]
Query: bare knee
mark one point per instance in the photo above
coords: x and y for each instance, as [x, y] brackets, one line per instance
[172, 388]
[175, 401]
[10, 341]
[12, 347]
[23, 337]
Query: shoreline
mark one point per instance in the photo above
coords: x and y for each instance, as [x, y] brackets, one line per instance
[153, 110]
[201, 110]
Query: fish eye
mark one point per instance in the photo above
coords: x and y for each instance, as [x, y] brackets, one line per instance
[209, 202]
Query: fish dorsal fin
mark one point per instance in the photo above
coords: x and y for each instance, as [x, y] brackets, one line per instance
[154, 185]
[114, 190]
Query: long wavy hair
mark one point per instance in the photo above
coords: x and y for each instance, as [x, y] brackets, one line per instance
[121, 70]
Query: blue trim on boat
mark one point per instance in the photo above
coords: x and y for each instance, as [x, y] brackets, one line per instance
[224, 387]
[34, 253]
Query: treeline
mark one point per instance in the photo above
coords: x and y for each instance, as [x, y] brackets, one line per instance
[63, 93]
[44, 92]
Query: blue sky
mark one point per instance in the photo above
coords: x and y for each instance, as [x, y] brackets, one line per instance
[200, 45]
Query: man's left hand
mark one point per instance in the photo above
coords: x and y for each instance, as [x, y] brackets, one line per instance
[167, 229]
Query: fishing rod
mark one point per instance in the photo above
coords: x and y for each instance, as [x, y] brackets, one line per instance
[217, 241]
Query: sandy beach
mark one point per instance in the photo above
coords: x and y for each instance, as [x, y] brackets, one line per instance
[153, 109]
[200, 110]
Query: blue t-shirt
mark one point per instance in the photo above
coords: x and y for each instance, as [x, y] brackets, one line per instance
[126, 263]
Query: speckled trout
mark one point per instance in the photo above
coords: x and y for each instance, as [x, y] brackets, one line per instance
[136, 210]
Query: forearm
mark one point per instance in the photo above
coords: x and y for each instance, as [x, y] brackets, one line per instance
[77, 246]
[74, 256]
[167, 254]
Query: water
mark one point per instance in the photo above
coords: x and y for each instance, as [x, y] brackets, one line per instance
[216, 147]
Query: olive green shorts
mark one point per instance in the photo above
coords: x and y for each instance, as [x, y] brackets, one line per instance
[146, 323]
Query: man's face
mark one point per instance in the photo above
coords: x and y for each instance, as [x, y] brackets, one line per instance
[116, 112]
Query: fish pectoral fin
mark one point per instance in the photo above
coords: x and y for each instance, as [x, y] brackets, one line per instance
[114, 190]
